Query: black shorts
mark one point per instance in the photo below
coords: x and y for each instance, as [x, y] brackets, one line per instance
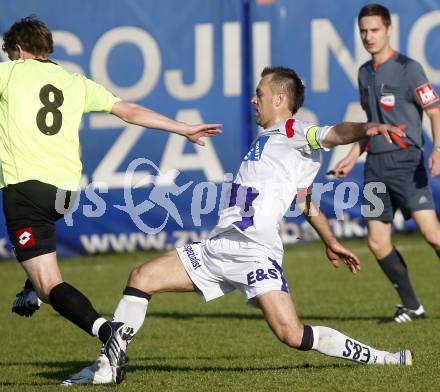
[406, 182]
[30, 212]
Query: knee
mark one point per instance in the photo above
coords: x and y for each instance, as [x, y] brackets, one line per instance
[140, 279]
[433, 238]
[374, 245]
[135, 277]
[379, 247]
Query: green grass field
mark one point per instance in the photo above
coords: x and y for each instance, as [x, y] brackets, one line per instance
[187, 345]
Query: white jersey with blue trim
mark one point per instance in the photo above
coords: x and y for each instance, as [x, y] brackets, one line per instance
[283, 160]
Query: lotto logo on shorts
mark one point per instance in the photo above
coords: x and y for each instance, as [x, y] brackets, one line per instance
[426, 94]
[25, 237]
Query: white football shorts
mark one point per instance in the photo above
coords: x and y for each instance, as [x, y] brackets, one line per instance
[232, 261]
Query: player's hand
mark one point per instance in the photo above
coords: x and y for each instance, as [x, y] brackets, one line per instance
[343, 167]
[337, 253]
[374, 129]
[434, 163]
[26, 303]
[196, 132]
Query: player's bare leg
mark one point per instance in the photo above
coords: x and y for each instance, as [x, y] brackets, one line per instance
[44, 273]
[280, 314]
[411, 309]
[379, 238]
[394, 267]
[163, 274]
[429, 226]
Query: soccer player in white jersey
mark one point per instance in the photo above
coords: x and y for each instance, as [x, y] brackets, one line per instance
[244, 251]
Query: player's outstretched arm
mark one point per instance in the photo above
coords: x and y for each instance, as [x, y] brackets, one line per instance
[144, 117]
[349, 132]
[334, 250]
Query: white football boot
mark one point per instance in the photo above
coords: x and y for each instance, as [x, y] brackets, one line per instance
[98, 372]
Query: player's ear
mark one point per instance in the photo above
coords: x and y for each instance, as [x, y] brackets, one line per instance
[389, 31]
[20, 51]
[276, 99]
[283, 101]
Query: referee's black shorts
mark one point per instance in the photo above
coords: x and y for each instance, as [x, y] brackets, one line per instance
[30, 212]
[406, 182]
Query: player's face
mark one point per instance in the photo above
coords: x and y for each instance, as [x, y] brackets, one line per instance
[374, 34]
[263, 103]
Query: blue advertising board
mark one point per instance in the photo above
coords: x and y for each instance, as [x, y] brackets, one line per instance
[197, 61]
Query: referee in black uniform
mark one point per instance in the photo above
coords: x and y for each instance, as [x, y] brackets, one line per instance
[395, 90]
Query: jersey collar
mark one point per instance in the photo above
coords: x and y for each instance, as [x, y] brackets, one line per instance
[274, 128]
[45, 61]
[391, 54]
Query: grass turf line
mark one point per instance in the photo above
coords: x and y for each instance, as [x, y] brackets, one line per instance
[187, 345]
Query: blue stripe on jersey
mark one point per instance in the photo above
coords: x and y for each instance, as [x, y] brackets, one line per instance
[234, 192]
[244, 201]
[256, 151]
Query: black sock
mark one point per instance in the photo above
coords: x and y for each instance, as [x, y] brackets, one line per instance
[307, 339]
[74, 306]
[104, 332]
[136, 293]
[395, 269]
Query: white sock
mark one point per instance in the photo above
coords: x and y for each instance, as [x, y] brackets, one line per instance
[131, 310]
[97, 324]
[331, 342]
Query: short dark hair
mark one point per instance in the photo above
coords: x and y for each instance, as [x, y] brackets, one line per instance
[287, 81]
[376, 10]
[31, 34]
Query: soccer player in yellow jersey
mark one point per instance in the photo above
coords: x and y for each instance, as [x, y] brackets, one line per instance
[41, 105]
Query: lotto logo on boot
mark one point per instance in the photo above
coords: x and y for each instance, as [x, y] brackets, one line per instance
[25, 237]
